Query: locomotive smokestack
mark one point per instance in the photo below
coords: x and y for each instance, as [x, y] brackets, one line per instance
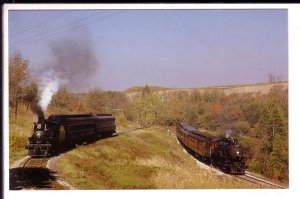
[41, 121]
[37, 109]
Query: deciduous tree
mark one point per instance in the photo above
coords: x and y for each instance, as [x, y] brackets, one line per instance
[18, 79]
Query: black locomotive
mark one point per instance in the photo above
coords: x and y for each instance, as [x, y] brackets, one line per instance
[224, 153]
[60, 131]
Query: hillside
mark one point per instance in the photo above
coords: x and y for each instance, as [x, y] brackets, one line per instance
[149, 158]
[143, 159]
[152, 155]
[140, 89]
[262, 88]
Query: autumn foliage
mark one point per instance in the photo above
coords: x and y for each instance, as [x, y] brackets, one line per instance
[260, 121]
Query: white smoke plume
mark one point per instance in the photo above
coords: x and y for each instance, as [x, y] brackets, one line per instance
[228, 133]
[72, 62]
[48, 86]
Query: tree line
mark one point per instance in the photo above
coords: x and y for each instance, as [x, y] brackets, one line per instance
[260, 121]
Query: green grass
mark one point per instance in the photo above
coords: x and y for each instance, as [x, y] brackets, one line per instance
[143, 159]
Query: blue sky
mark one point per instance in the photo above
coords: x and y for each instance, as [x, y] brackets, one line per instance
[171, 48]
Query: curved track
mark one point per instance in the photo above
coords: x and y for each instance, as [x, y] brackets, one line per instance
[128, 131]
[33, 174]
[246, 177]
[31, 168]
[251, 178]
[27, 181]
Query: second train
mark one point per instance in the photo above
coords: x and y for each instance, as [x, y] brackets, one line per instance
[223, 153]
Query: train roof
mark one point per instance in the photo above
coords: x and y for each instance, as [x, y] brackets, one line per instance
[217, 139]
[193, 132]
[78, 116]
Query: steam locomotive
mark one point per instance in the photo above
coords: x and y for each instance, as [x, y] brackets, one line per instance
[59, 131]
[223, 153]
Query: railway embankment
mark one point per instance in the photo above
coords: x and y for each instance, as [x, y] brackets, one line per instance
[148, 158]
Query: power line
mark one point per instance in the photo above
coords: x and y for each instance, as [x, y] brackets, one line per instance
[41, 23]
[52, 35]
[56, 30]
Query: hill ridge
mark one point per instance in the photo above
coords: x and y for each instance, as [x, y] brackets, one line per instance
[262, 88]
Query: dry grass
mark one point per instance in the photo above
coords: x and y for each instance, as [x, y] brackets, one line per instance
[20, 128]
[143, 159]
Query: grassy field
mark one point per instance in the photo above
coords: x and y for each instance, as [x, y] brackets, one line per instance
[20, 128]
[143, 159]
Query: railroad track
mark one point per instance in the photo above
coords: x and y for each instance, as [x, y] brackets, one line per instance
[246, 177]
[128, 131]
[30, 169]
[250, 178]
[24, 166]
[35, 175]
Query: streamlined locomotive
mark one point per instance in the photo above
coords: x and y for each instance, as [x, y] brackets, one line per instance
[59, 131]
[224, 153]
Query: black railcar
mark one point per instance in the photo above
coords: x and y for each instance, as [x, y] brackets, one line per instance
[224, 153]
[59, 131]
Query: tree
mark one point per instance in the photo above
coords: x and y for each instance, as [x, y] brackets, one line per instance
[146, 107]
[18, 79]
[273, 78]
[106, 101]
[96, 101]
[65, 100]
[146, 91]
[115, 100]
[251, 111]
[31, 94]
[273, 128]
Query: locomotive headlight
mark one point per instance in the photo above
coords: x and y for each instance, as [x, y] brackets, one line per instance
[38, 135]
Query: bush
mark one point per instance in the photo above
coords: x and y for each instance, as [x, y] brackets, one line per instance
[120, 119]
[242, 127]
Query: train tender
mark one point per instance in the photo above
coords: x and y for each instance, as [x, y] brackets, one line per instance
[59, 131]
[224, 153]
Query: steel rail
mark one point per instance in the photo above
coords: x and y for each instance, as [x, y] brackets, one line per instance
[247, 176]
[39, 165]
[264, 181]
[24, 175]
[128, 131]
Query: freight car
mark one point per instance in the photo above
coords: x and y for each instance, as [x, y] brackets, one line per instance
[60, 131]
[224, 153]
